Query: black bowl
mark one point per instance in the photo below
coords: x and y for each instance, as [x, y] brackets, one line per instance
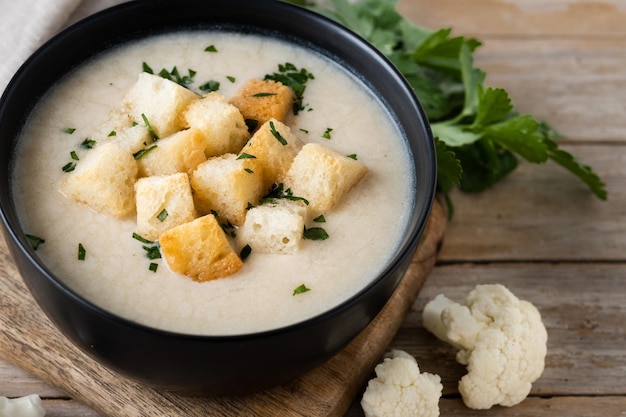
[221, 364]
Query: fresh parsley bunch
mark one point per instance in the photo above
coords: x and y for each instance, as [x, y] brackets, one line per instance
[479, 136]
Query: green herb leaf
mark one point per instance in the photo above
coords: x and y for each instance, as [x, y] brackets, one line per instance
[301, 289]
[252, 124]
[245, 252]
[353, 156]
[210, 48]
[35, 241]
[112, 133]
[88, 143]
[326, 134]
[479, 137]
[162, 215]
[69, 167]
[81, 252]
[289, 75]
[315, 233]
[278, 191]
[74, 156]
[244, 155]
[69, 130]
[146, 122]
[153, 266]
[152, 252]
[142, 239]
[140, 154]
[248, 170]
[231, 78]
[277, 134]
[263, 94]
[210, 86]
[320, 219]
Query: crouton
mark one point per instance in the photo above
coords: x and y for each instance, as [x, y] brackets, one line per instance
[200, 250]
[262, 100]
[322, 176]
[161, 101]
[275, 146]
[227, 185]
[163, 202]
[116, 121]
[104, 180]
[274, 227]
[221, 123]
[181, 152]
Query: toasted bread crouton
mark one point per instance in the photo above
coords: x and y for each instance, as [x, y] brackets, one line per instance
[163, 202]
[181, 152]
[104, 180]
[161, 101]
[323, 176]
[221, 123]
[117, 120]
[133, 139]
[274, 227]
[275, 146]
[227, 185]
[200, 250]
[262, 100]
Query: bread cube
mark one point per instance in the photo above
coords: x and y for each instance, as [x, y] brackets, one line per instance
[155, 194]
[262, 100]
[322, 176]
[161, 101]
[104, 180]
[181, 152]
[221, 123]
[274, 227]
[228, 186]
[275, 146]
[117, 120]
[200, 250]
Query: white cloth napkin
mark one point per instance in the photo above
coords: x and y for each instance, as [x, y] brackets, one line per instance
[27, 24]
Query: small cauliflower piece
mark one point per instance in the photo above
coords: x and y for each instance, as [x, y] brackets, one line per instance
[28, 406]
[400, 390]
[501, 339]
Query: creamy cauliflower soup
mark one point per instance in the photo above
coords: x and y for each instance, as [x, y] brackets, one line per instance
[364, 229]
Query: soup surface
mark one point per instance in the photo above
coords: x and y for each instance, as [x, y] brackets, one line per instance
[364, 229]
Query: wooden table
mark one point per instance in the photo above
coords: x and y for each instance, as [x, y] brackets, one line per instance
[539, 232]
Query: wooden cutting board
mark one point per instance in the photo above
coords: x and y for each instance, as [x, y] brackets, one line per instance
[29, 340]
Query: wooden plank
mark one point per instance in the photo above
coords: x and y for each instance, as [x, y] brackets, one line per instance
[542, 212]
[497, 18]
[27, 338]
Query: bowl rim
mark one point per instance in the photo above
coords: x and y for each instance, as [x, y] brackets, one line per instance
[405, 246]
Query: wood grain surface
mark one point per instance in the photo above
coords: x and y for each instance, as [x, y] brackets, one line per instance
[539, 232]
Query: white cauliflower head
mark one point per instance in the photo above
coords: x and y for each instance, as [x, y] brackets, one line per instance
[400, 390]
[501, 339]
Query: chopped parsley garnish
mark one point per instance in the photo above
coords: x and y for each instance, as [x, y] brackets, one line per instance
[152, 252]
[88, 143]
[173, 75]
[210, 48]
[142, 239]
[326, 134]
[263, 94]
[149, 127]
[231, 78]
[245, 252]
[143, 152]
[81, 252]
[248, 170]
[227, 227]
[252, 124]
[162, 215]
[112, 133]
[153, 266]
[353, 156]
[249, 206]
[69, 167]
[278, 191]
[315, 233]
[289, 75]
[320, 219]
[301, 289]
[210, 86]
[69, 130]
[146, 68]
[304, 131]
[277, 134]
[246, 156]
[74, 156]
[35, 241]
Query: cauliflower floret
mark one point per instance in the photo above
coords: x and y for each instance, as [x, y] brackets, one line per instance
[29, 406]
[501, 339]
[399, 389]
